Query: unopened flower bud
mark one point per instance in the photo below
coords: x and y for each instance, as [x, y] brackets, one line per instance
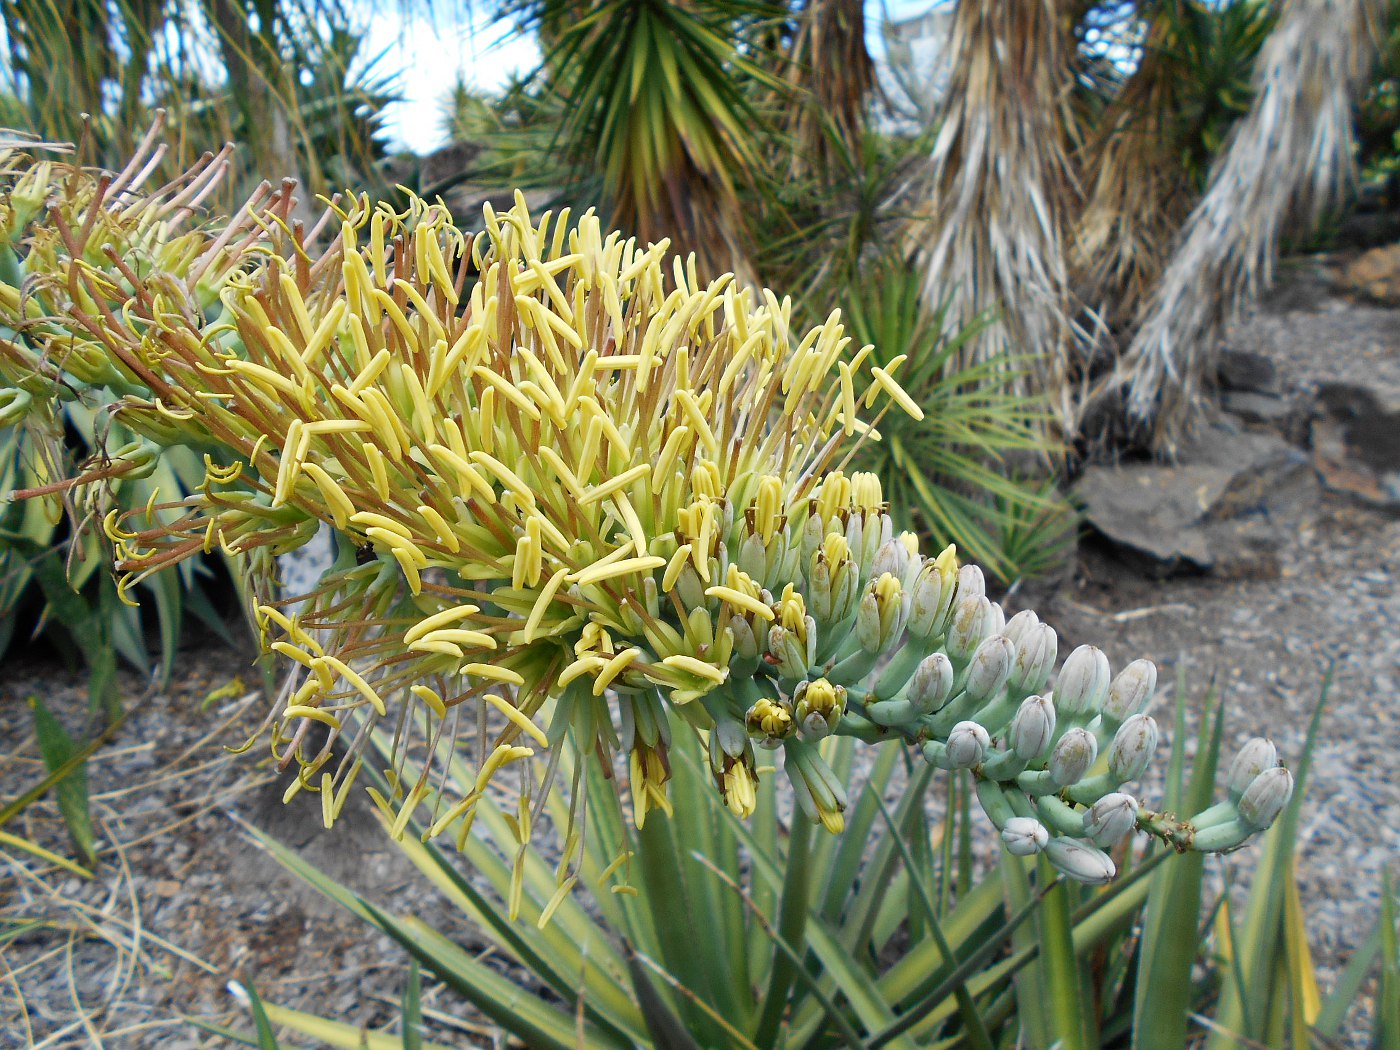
[1265, 798]
[968, 628]
[881, 615]
[990, 666]
[730, 737]
[1080, 861]
[893, 557]
[1083, 683]
[745, 644]
[817, 707]
[996, 620]
[1073, 755]
[1132, 748]
[931, 684]
[1131, 691]
[1020, 625]
[1035, 658]
[770, 721]
[136, 459]
[928, 601]
[1032, 728]
[967, 746]
[1024, 837]
[1110, 818]
[971, 582]
[1256, 756]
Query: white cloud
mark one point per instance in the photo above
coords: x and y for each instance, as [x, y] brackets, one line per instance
[430, 57]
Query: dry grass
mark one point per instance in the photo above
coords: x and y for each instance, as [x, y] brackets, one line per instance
[1289, 159]
[1002, 188]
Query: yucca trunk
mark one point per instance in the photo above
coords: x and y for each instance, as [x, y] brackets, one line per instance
[1289, 160]
[1137, 195]
[1001, 188]
[831, 72]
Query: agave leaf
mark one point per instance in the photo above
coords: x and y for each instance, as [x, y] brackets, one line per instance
[62, 752]
[1170, 943]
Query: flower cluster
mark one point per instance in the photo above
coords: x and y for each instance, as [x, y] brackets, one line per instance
[577, 493]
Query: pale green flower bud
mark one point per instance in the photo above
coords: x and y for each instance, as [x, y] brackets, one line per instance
[1020, 625]
[867, 533]
[928, 601]
[967, 746]
[1073, 755]
[745, 643]
[792, 657]
[1083, 683]
[817, 707]
[1110, 818]
[1132, 748]
[893, 557]
[730, 736]
[1024, 837]
[1035, 657]
[816, 789]
[1080, 861]
[835, 581]
[990, 666]
[1256, 756]
[971, 582]
[813, 533]
[1265, 798]
[1131, 691]
[996, 619]
[931, 685]
[968, 628]
[753, 558]
[1032, 728]
[881, 614]
[770, 722]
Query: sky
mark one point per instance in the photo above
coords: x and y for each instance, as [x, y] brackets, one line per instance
[431, 57]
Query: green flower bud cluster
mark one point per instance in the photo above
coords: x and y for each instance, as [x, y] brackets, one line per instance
[873, 640]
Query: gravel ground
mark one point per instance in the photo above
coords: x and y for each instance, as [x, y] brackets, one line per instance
[183, 904]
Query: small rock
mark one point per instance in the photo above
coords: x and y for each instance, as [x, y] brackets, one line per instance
[1269, 410]
[1374, 274]
[1356, 442]
[1248, 371]
[167, 888]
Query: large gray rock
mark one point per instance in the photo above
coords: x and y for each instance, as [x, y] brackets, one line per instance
[1222, 508]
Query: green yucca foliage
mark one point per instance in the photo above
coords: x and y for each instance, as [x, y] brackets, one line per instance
[705, 931]
[946, 474]
[289, 83]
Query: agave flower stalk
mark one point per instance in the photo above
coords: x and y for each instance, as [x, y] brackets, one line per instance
[579, 496]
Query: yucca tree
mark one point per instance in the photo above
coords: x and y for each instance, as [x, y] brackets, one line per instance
[832, 77]
[1147, 156]
[1290, 160]
[284, 80]
[659, 114]
[1001, 187]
